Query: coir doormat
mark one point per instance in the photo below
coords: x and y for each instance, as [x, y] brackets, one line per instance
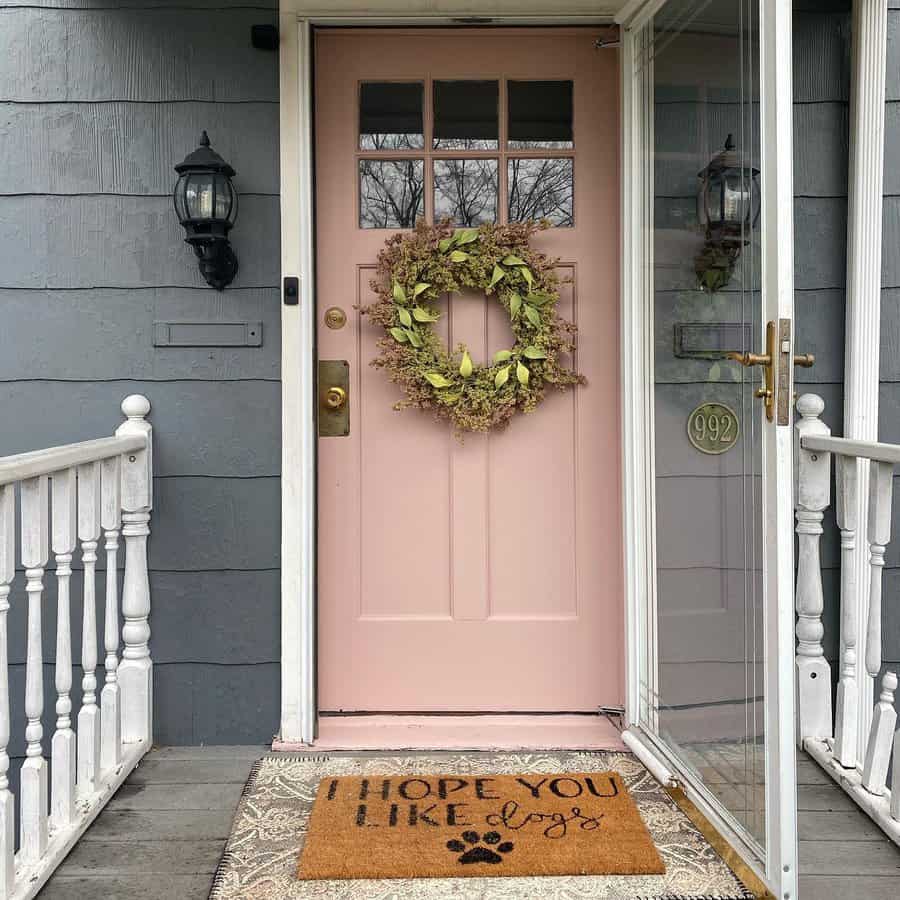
[571, 823]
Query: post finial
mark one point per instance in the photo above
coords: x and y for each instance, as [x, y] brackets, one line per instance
[810, 406]
[135, 406]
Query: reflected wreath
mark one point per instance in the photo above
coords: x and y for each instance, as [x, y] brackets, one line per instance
[415, 269]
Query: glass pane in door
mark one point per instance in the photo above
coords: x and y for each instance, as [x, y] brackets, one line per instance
[705, 690]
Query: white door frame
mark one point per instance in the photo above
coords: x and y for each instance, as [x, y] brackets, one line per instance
[779, 870]
[298, 322]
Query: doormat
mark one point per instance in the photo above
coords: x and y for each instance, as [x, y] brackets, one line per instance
[448, 826]
[261, 856]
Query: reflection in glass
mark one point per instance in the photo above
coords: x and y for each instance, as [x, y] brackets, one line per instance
[390, 116]
[391, 192]
[541, 189]
[465, 115]
[465, 191]
[540, 115]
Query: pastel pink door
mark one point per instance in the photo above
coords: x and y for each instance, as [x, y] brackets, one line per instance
[483, 575]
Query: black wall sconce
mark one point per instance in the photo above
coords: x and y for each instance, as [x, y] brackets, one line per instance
[206, 204]
[728, 204]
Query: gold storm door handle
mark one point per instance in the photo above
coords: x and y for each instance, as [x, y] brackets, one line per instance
[335, 397]
[768, 362]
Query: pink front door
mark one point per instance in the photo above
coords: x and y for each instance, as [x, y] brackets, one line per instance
[484, 575]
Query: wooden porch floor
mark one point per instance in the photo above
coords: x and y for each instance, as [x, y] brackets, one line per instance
[161, 836]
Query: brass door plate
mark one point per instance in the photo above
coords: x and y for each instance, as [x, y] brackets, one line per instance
[333, 393]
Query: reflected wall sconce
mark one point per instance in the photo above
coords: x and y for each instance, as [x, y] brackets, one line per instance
[206, 204]
[728, 204]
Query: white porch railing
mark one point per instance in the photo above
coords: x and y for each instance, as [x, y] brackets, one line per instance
[97, 488]
[856, 744]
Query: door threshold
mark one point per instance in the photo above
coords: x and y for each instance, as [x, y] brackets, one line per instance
[564, 731]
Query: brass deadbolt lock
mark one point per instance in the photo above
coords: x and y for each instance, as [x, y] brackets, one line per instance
[335, 397]
[335, 317]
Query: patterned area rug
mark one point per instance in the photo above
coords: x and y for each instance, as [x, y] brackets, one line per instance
[260, 859]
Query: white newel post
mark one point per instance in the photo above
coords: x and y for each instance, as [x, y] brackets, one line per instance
[136, 670]
[62, 747]
[7, 802]
[89, 714]
[813, 494]
[35, 550]
[110, 707]
[847, 711]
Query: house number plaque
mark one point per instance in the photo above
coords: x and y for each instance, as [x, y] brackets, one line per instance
[713, 428]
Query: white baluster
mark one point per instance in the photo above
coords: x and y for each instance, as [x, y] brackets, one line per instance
[881, 736]
[846, 713]
[136, 669]
[110, 708]
[35, 550]
[62, 771]
[895, 791]
[813, 495]
[7, 802]
[89, 714]
[881, 482]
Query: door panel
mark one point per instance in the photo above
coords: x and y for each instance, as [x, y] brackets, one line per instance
[481, 574]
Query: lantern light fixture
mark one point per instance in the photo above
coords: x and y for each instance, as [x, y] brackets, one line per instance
[206, 204]
[728, 207]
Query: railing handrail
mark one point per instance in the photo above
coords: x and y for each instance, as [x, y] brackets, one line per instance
[886, 453]
[53, 459]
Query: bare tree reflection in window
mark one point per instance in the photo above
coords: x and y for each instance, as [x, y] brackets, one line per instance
[465, 191]
[391, 192]
[541, 189]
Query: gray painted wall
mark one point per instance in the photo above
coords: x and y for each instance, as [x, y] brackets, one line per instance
[98, 100]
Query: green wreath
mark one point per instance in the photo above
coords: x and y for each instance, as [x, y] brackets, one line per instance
[416, 269]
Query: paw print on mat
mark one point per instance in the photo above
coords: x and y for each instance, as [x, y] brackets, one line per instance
[478, 853]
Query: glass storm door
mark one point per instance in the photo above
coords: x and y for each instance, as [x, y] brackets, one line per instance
[711, 150]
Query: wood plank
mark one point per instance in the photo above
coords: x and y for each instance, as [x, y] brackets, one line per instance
[132, 887]
[194, 422]
[143, 857]
[151, 136]
[810, 772]
[848, 887]
[187, 797]
[209, 753]
[114, 331]
[105, 240]
[134, 54]
[206, 771]
[823, 798]
[879, 857]
[837, 826]
[161, 825]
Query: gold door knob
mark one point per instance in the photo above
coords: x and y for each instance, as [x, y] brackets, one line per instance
[806, 360]
[335, 398]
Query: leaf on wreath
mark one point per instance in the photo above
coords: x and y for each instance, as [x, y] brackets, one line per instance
[498, 275]
[533, 316]
[467, 236]
[501, 377]
[435, 379]
[423, 315]
[399, 335]
[405, 317]
[466, 367]
[515, 304]
[458, 256]
[513, 260]
[534, 353]
[421, 286]
[522, 373]
[414, 339]
[399, 293]
[502, 356]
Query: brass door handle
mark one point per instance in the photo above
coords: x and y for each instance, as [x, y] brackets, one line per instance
[335, 397]
[805, 360]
